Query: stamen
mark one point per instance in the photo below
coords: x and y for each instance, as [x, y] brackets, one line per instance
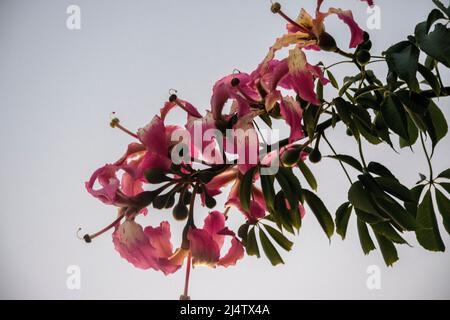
[115, 123]
[276, 9]
[89, 237]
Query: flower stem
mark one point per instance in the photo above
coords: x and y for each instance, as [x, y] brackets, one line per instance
[185, 295]
[428, 157]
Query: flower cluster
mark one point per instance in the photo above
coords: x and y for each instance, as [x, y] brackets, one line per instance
[148, 160]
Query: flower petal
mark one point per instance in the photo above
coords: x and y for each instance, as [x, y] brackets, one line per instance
[235, 253]
[292, 112]
[204, 250]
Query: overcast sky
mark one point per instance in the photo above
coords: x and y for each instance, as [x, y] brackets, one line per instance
[57, 89]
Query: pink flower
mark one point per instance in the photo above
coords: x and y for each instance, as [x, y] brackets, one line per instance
[146, 248]
[206, 243]
[236, 87]
[293, 73]
[292, 113]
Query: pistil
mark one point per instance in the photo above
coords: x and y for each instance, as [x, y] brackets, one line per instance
[89, 237]
[276, 8]
[115, 123]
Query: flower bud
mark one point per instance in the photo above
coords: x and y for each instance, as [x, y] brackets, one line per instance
[180, 211]
[315, 156]
[363, 57]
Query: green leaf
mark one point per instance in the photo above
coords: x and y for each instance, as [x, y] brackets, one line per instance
[395, 188]
[403, 58]
[397, 213]
[267, 119]
[428, 234]
[279, 238]
[441, 6]
[436, 124]
[290, 185]
[319, 90]
[307, 174]
[320, 211]
[251, 245]
[430, 78]
[269, 249]
[360, 198]
[343, 110]
[445, 174]
[332, 79]
[413, 134]
[284, 216]
[388, 250]
[348, 160]
[367, 244]
[411, 206]
[268, 190]
[434, 16]
[436, 43]
[342, 218]
[395, 115]
[245, 188]
[379, 169]
[444, 208]
[386, 230]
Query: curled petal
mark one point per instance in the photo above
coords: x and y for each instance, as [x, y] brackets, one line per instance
[292, 113]
[235, 253]
[106, 177]
[186, 106]
[357, 34]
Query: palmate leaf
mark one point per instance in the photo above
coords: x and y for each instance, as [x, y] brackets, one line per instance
[279, 238]
[395, 116]
[428, 233]
[320, 211]
[436, 43]
[269, 249]
[245, 189]
[251, 244]
[366, 241]
[351, 161]
[388, 249]
[403, 58]
[443, 204]
[342, 217]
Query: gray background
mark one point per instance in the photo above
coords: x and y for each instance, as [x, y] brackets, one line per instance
[57, 89]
